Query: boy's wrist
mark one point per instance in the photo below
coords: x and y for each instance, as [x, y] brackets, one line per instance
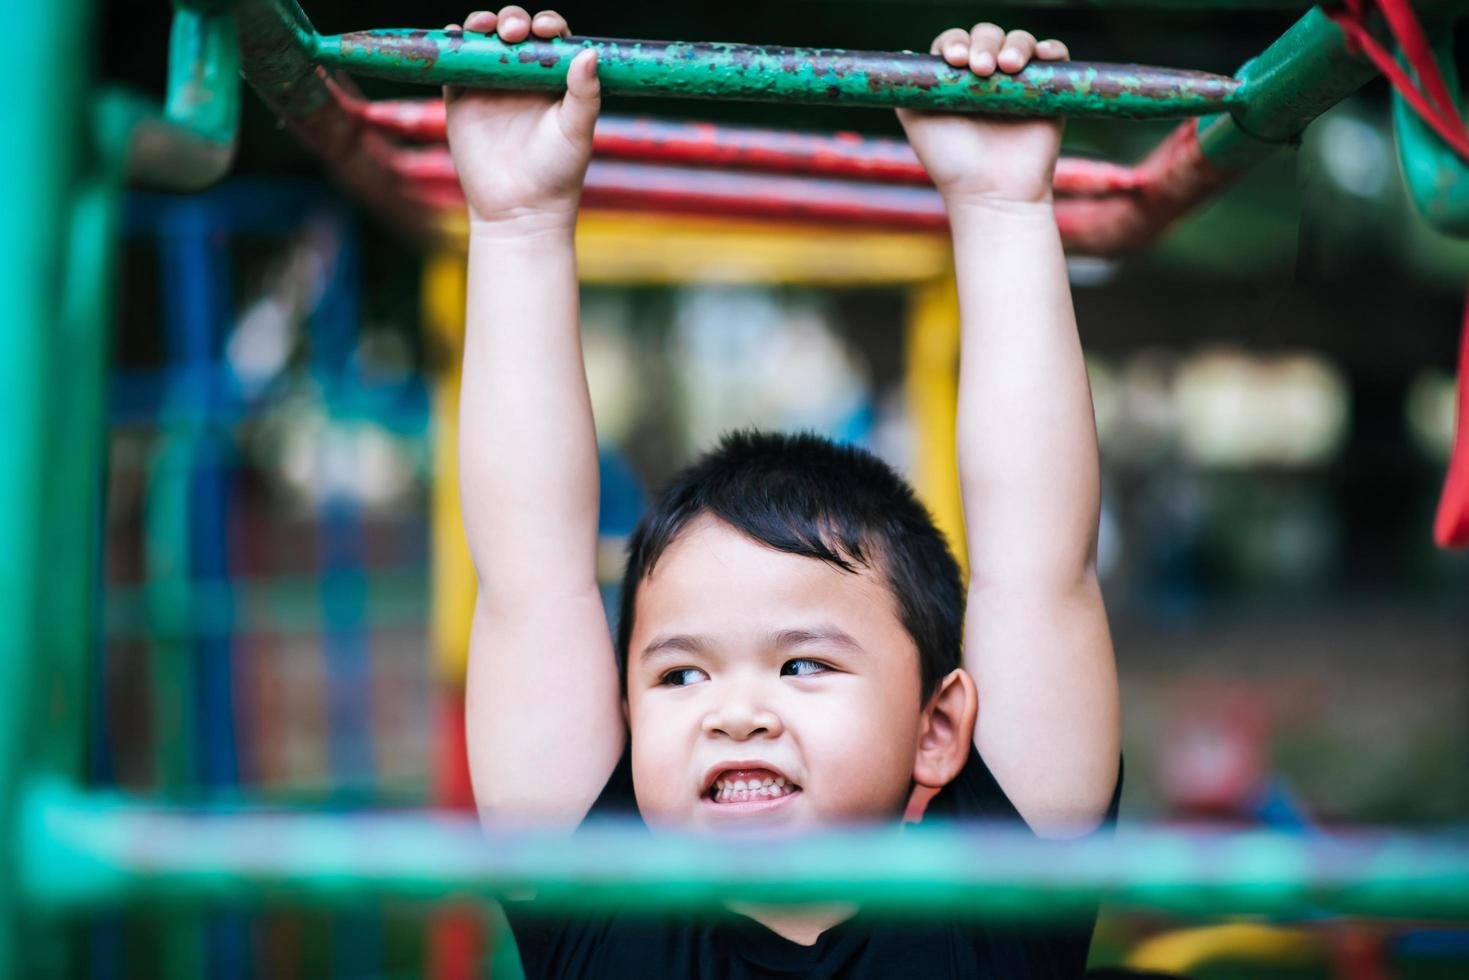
[987, 216]
[960, 206]
[523, 223]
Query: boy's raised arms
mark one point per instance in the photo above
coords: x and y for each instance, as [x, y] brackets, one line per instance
[1036, 637]
[543, 716]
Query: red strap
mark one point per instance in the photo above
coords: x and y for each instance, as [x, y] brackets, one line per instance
[1445, 122]
[1430, 98]
[1414, 44]
[1451, 527]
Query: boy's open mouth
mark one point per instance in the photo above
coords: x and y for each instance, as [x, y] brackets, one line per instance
[749, 785]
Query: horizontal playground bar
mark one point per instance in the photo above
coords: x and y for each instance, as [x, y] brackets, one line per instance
[81, 850]
[653, 189]
[643, 140]
[611, 185]
[1302, 74]
[818, 76]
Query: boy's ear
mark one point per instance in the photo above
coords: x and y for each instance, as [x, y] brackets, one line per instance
[946, 731]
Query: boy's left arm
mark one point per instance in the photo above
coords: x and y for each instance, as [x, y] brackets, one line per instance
[1035, 636]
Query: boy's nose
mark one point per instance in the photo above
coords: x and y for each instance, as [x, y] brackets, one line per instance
[742, 719]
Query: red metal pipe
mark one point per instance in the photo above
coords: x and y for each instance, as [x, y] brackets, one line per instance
[613, 185]
[1171, 180]
[1101, 208]
[1097, 226]
[707, 144]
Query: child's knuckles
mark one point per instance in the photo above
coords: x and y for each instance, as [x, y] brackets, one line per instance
[512, 19]
[1053, 50]
[953, 44]
[548, 23]
[987, 34]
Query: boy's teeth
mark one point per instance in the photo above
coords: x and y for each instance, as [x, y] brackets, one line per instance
[742, 791]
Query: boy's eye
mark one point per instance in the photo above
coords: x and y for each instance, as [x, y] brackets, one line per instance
[682, 677]
[802, 668]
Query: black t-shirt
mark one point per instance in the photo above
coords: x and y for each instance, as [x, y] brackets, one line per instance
[730, 946]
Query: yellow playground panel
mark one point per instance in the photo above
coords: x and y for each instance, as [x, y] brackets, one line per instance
[628, 249]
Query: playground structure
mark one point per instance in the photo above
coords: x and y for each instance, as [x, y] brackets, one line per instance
[67, 849]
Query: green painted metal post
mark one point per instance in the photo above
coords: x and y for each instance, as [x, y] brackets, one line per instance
[44, 123]
[816, 76]
[1305, 72]
[1437, 179]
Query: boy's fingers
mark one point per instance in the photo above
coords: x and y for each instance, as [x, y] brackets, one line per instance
[1052, 50]
[578, 112]
[548, 23]
[952, 45]
[984, 48]
[481, 22]
[1017, 50]
[514, 24]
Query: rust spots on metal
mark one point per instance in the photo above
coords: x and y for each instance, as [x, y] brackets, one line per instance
[1136, 81]
[899, 72]
[542, 55]
[409, 47]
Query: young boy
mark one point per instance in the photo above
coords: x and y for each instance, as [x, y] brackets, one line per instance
[789, 650]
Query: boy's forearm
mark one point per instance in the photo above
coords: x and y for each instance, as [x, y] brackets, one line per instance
[527, 443]
[1036, 635]
[1026, 436]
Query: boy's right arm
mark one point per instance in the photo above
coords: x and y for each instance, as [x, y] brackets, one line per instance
[543, 715]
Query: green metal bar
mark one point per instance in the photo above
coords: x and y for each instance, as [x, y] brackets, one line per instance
[1437, 179]
[45, 118]
[818, 76]
[75, 478]
[277, 44]
[87, 850]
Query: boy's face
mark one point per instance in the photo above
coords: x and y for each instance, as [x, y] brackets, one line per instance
[751, 666]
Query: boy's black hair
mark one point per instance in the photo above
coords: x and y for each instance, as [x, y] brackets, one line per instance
[805, 495]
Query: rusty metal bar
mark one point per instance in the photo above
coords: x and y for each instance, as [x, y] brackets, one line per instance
[816, 76]
[1298, 77]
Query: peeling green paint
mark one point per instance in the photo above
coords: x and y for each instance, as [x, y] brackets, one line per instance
[776, 74]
